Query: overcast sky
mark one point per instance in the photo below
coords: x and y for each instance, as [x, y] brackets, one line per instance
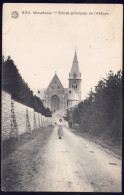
[41, 44]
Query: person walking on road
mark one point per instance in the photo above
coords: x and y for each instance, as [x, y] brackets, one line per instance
[60, 129]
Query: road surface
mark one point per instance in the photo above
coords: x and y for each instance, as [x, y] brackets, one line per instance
[71, 164]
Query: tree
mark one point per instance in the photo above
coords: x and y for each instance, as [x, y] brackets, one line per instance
[100, 114]
[19, 89]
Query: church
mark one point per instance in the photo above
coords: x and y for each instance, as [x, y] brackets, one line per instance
[56, 97]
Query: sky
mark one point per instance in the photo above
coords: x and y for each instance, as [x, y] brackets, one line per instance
[45, 42]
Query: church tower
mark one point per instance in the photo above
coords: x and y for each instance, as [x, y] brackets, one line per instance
[75, 77]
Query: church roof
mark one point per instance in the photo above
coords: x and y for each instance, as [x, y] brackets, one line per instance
[55, 83]
[75, 73]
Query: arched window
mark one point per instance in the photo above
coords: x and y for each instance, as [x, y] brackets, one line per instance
[55, 103]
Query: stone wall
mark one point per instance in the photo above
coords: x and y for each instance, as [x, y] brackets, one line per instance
[30, 115]
[6, 114]
[36, 118]
[18, 118]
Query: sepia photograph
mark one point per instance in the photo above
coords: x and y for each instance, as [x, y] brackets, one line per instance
[61, 121]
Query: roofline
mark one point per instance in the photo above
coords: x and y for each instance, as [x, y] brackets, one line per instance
[52, 79]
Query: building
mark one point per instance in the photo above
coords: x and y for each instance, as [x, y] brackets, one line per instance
[56, 97]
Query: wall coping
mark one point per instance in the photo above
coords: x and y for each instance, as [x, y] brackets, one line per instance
[21, 102]
[38, 113]
[26, 105]
[6, 91]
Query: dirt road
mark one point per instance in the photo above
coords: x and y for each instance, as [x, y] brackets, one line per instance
[71, 164]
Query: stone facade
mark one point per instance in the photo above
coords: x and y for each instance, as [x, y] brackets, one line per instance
[18, 118]
[56, 97]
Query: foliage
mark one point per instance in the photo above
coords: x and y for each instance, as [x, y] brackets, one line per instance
[100, 114]
[19, 89]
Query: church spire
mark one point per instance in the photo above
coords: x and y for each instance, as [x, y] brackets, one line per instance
[75, 74]
[75, 57]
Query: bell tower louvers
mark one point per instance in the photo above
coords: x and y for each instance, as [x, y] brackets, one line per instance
[75, 77]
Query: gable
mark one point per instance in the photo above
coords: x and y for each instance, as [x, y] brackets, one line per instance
[55, 83]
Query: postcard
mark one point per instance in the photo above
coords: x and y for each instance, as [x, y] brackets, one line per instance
[61, 97]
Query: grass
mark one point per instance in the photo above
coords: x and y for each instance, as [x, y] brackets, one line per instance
[8, 146]
[22, 159]
[109, 144]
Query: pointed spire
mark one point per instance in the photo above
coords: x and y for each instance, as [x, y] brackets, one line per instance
[75, 68]
[75, 57]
